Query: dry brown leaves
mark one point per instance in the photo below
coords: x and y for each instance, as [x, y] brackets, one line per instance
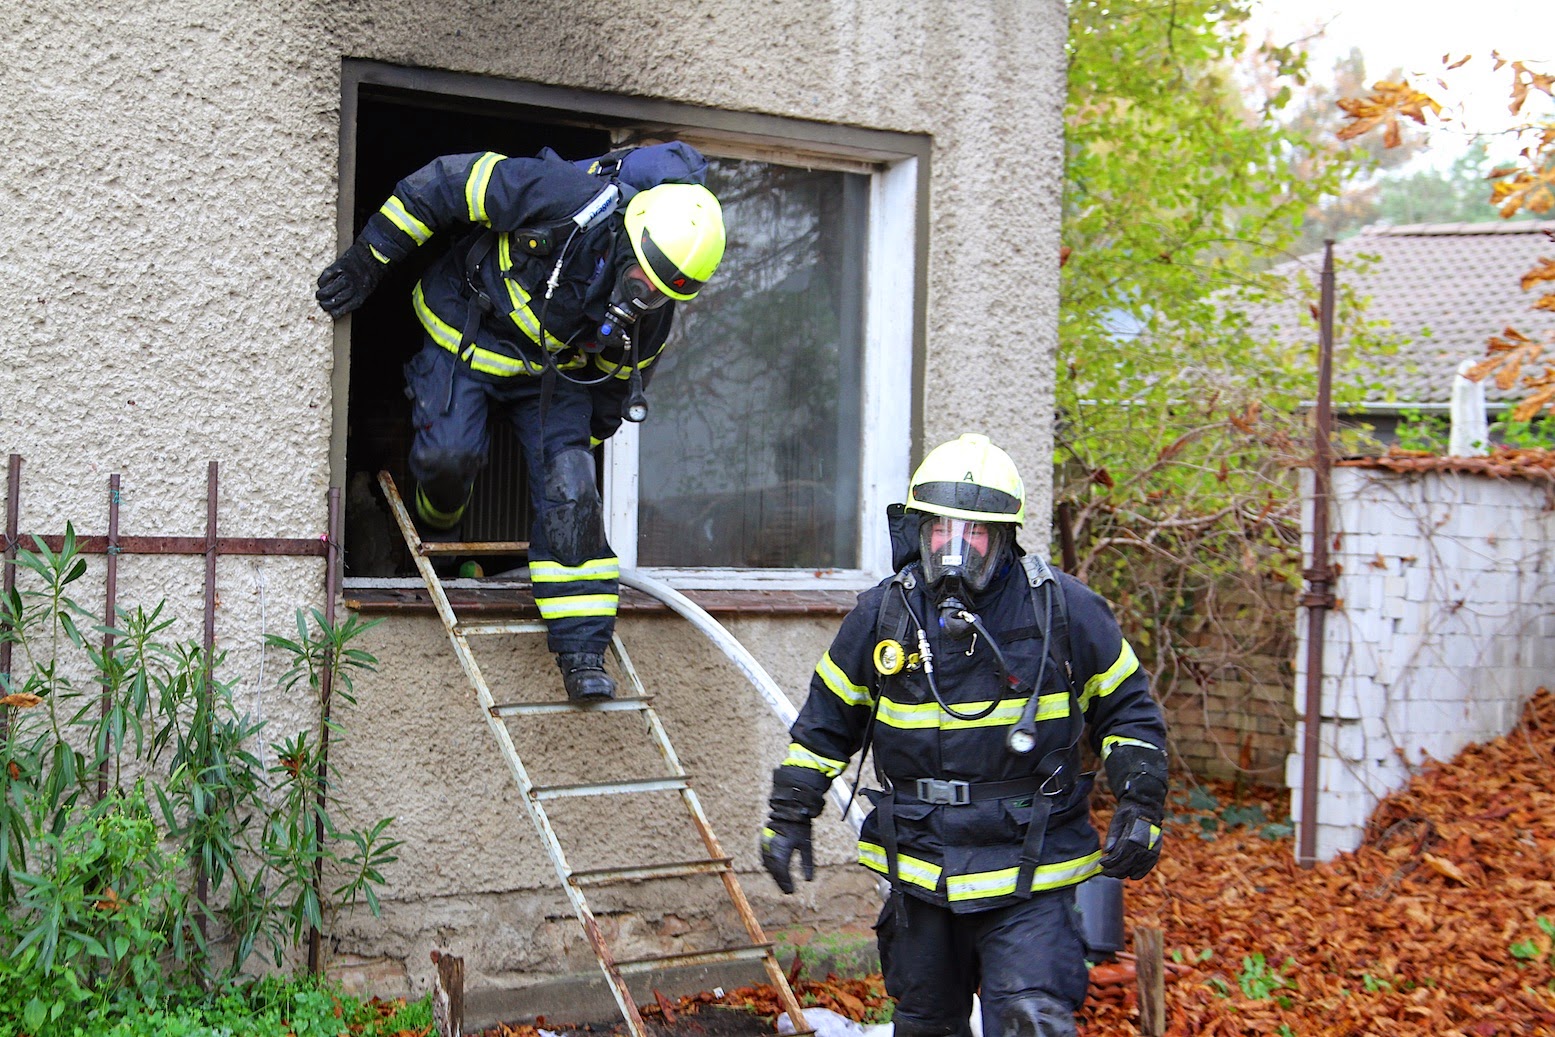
[1412, 933]
[1503, 462]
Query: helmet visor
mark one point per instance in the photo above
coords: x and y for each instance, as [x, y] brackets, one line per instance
[961, 548]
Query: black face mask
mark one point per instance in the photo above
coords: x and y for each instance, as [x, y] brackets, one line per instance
[633, 297]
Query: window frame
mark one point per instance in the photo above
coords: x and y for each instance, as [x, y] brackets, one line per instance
[898, 166]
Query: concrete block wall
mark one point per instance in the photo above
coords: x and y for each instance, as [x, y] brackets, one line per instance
[1441, 631]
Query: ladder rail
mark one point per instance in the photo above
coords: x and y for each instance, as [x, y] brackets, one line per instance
[693, 805]
[504, 738]
[532, 795]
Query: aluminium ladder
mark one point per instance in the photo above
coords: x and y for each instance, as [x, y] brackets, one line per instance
[535, 796]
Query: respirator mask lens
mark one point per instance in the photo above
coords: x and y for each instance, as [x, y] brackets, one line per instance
[961, 551]
[635, 294]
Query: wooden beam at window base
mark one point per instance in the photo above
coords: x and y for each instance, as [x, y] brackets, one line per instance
[155, 545]
[519, 601]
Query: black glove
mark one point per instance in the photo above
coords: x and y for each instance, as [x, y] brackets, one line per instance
[347, 282]
[1133, 841]
[798, 795]
[779, 840]
[1137, 774]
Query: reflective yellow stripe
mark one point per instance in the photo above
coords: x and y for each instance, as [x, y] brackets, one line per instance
[481, 359]
[379, 256]
[1111, 742]
[578, 605]
[922, 715]
[832, 676]
[1104, 684]
[395, 212]
[432, 516]
[983, 884]
[622, 371]
[799, 756]
[475, 186]
[910, 869]
[522, 315]
[556, 572]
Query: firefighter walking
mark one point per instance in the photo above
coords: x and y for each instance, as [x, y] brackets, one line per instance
[973, 673]
[551, 306]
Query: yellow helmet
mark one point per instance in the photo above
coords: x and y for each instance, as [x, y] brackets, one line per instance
[677, 232]
[969, 478]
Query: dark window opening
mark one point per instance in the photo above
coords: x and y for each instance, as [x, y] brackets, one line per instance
[397, 132]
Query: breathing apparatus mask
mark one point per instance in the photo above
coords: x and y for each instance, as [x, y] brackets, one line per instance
[960, 559]
[634, 296]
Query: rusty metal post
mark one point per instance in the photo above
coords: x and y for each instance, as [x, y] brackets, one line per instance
[326, 689]
[110, 604]
[13, 497]
[1066, 548]
[1319, 597]
[203, 706]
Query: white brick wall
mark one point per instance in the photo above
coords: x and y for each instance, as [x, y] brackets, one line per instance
[1445, 624]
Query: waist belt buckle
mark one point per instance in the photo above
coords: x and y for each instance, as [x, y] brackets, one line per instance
[942, 792]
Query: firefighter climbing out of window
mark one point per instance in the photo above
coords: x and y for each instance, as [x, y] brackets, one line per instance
[552, 304]
[973, 673]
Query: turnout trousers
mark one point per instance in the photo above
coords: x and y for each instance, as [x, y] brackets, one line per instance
[573, 570]
[1027, 959]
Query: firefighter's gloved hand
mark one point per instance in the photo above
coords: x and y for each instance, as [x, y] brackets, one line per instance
[798, 795]
[1133, 841]
[347, 282]
[779, 840]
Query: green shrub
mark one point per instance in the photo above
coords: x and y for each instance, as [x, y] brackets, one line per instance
[136, 824]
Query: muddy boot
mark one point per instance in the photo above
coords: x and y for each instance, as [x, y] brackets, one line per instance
[584, 675]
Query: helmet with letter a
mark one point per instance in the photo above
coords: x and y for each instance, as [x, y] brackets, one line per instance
[677, 235]
[971, 498]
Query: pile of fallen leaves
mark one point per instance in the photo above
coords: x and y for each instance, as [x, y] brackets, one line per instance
[1443, 922]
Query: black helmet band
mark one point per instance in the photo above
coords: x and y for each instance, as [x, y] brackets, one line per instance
[966, 496]
[665, 269]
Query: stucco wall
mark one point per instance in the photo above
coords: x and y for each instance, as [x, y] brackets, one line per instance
[170, 192]
[1446, 604]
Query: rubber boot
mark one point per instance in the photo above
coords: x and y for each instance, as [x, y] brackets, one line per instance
[1037, 1015]
[584, 675]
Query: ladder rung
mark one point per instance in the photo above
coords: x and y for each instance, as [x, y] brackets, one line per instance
[508, 626]
[669, 870]
[529, 709]
[751, 952]
[492, 547]
[610, 788]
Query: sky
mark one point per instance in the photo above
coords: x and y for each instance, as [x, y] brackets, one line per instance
[1414, 35]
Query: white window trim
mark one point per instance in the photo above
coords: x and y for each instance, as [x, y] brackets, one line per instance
[885, 425]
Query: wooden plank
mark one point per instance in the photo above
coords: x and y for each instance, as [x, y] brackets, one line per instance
[1151, 963]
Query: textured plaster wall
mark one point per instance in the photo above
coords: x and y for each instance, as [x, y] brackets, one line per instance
[1443, 629]
[170, 191]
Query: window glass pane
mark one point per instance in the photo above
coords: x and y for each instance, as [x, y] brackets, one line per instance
[750, 455]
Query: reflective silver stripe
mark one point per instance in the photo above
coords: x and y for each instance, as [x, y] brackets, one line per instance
[395, 212]
[910, 869]
[1104, 684]
[923, 715]
[379, 256]
[832, 676]
[1111, 742]
[799, 756]
[475, 185]
[556, 572]
[577, 605]
[983, 884]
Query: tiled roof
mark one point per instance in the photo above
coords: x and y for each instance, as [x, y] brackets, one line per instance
[1443, 288]
[1503, 462]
